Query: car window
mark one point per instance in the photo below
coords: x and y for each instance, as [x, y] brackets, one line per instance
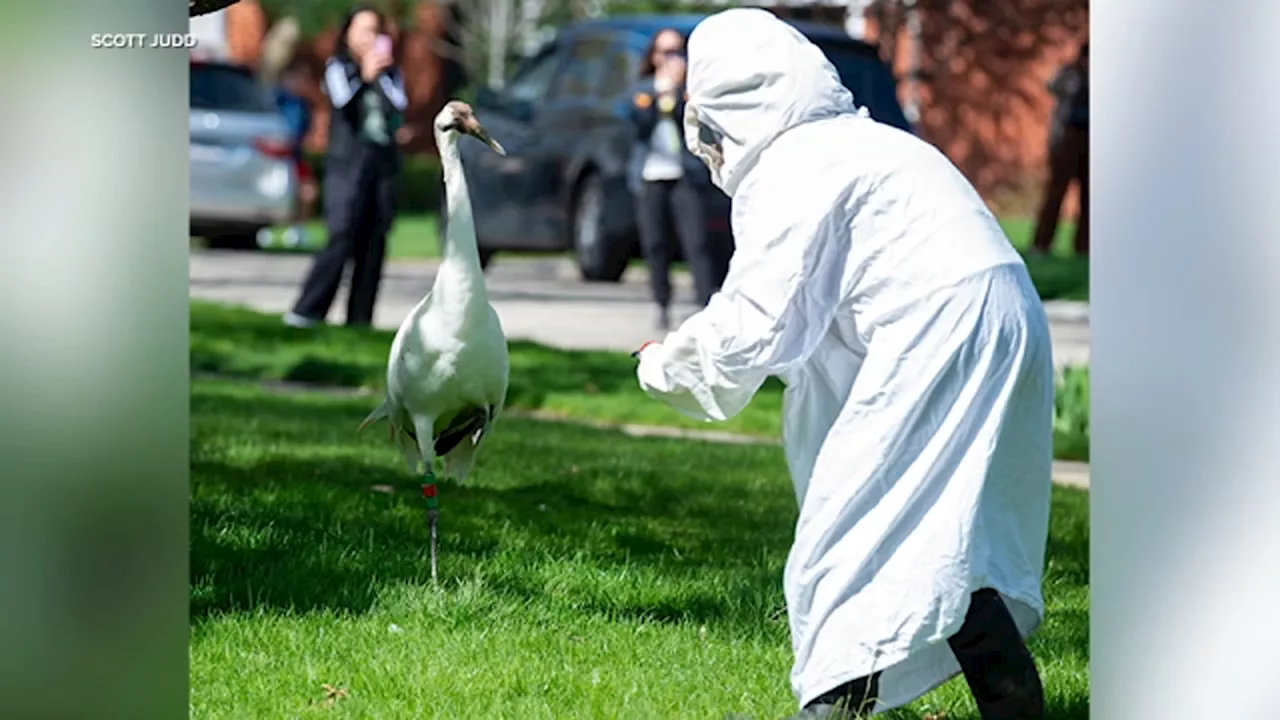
[618, 72]
[583, 70]
[217, 87]
[870, 81]
[531, 81]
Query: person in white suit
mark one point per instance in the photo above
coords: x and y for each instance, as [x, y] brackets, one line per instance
[872, 279]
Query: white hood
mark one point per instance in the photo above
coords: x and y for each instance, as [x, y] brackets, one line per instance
[751, 78]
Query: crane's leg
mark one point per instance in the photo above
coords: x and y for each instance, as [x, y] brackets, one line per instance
[426, 449]
[429, 491]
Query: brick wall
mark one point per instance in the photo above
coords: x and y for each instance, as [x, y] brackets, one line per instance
[984, 100]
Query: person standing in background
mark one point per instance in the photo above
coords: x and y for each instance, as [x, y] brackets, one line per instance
[665, 178]
[1068, 153]
[367, 101]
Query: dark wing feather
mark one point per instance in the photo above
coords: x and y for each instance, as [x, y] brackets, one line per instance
[463, 425]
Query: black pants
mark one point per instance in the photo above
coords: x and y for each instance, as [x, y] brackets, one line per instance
[996, 663]
[676, 202]
[359, 204]
[1068, 161]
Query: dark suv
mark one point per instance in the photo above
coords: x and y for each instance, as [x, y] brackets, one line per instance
[564, 121]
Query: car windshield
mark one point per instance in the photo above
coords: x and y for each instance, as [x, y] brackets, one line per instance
[869, 80]
[215, 87]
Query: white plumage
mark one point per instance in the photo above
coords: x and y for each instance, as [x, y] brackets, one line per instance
[448, 369]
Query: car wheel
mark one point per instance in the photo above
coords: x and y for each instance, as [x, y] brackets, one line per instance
[246, 240]
[600, 258]
[486, 256]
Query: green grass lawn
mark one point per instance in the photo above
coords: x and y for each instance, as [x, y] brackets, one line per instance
[583, 574]
[1059, 276]
[590, 385]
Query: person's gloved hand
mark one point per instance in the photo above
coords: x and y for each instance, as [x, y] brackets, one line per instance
[651, 372]
[643, 347]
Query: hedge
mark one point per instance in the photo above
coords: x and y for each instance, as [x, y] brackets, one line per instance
[418, 191]
[1071, 415]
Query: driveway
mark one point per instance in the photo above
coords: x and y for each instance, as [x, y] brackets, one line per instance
[538, 299]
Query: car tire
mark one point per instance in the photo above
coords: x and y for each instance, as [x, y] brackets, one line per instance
[240, 240]
[601, 258]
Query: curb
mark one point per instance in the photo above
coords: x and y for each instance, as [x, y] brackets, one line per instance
[1067, 311]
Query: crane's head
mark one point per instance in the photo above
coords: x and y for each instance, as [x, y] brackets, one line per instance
[458, 117]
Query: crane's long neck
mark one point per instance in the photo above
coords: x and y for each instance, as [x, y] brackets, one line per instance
[460, 279]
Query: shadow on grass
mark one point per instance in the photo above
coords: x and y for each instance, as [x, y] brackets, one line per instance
[284, 518]
[325, 541]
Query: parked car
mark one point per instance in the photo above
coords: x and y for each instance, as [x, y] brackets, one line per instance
[242, 176]
[563, 119]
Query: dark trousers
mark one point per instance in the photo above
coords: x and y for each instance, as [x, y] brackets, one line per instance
[1068, 160]
[996, 663]
[665, 203]
[359, 204]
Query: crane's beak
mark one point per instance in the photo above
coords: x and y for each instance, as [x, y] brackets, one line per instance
[479, 133]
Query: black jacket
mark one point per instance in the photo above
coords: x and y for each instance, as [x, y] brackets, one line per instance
[345, 88]
[1070, 88]
[644, 116]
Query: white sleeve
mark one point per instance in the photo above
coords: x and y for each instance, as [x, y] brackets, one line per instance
[785, 283]
[340, 84]
[392, 84]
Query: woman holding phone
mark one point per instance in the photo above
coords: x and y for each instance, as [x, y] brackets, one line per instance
[667, 181]
[367, 103]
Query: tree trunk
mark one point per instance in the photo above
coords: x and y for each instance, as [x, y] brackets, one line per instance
[196, 8]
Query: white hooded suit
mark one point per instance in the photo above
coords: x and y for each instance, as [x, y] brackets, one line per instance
[872, 279]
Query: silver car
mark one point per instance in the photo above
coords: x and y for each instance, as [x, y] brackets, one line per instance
[243, 177]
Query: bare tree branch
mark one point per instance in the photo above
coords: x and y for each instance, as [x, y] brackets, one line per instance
[196, 8]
